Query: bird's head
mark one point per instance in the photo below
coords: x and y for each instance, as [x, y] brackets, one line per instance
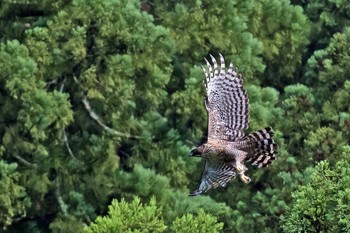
[201, 150]
[195, 153]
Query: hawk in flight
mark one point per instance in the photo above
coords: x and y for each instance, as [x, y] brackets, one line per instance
[228, 147]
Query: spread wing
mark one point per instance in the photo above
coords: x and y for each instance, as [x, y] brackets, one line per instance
[226, 102]
[216, 173]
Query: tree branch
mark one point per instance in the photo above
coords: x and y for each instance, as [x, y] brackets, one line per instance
[68, 148]
[25, 162]
[61, 203]
[94, 116]
[52, 82]
[62, 85]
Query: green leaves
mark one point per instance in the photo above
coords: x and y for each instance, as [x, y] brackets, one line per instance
[138, 217]
[13, 200]
[322, 205]
[201, 222]
[104, 99]
[283, 40]
[129, 217]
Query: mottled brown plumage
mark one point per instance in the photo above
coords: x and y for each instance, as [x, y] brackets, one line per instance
[228, 147]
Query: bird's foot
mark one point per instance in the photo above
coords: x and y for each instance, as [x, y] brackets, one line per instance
[245, 179]
[241, 169]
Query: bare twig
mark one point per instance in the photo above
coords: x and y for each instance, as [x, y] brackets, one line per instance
[69, 149]
[52, 82]
[76, 80]
[65, 139]
[25, 162]
[94, 116]
[124, 153]
[61, 203]
[62, 85]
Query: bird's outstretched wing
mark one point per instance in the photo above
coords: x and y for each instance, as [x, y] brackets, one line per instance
[215, 173]
[226, 102]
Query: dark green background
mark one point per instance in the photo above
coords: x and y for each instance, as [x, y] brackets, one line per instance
[103, 100]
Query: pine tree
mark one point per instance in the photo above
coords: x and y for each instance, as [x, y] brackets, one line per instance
[103, 100]
[137, 217]
[323, 204]
[13, 200]
[129, 217]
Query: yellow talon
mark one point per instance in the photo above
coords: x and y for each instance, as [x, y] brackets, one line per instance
[245, 179]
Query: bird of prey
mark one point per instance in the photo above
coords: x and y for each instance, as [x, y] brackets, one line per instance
[228, 147]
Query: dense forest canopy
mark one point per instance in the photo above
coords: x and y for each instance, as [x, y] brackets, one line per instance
[101, 102]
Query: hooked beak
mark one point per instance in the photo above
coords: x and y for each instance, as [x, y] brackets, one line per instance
[195, 153]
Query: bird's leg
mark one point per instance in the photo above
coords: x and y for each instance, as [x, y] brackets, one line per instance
[236, 158]
[241, 169]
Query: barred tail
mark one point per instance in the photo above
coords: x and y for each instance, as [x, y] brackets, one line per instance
[265, 149]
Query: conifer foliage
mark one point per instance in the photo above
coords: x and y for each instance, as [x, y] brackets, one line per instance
[101, 102]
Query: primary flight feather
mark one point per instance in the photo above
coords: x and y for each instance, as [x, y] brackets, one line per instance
[228, 147]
